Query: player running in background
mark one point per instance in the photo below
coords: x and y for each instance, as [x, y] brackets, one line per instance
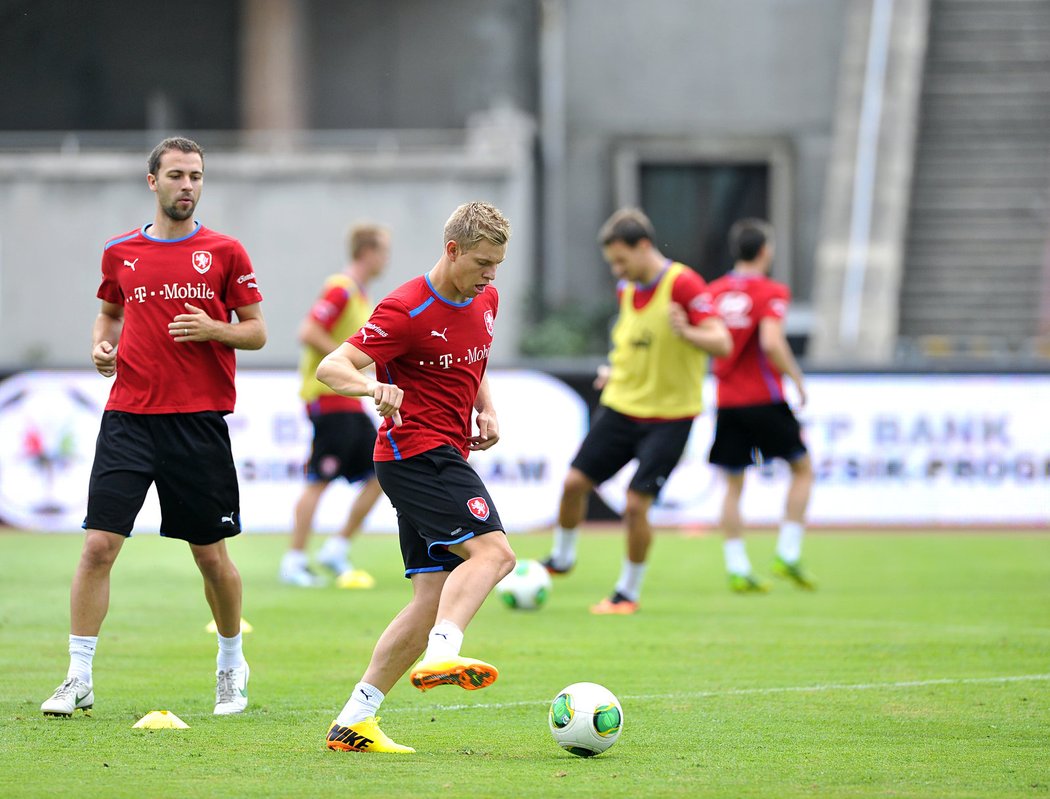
[169, 292]
[344, 434]
[430, 341]
[752, 413]
[660, 343]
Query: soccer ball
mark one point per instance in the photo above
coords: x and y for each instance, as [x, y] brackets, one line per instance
[525, 588]
[585, 719]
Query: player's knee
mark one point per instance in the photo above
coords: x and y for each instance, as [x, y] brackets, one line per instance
[802, 468]
[503, 557]
[100, 551]
[637, 506]
[210, 560]
[576, 483]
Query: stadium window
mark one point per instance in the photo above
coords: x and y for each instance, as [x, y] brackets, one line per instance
[694, 190]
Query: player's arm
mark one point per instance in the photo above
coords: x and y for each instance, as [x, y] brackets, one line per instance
[488, 426]
[105, 334]
[247, 333]
[342, 370]
[710, 334]
[313, 334]
[774, 344]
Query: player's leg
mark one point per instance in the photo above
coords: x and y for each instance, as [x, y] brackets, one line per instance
[788, 560]
[335, 552]
[294, 568]
[571, 510]
[778, 435]
[200, 504]
[349, 438]
[658, 447]
[732, 452]
[447, 522]
[356, 728]
[609, 444]
[224, 593]
[88, 605]
[487, 559]
[121, 474]
[738, 565]
[625, 596]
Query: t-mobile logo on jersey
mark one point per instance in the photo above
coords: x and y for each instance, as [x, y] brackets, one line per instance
[471, 356]
[176, 291]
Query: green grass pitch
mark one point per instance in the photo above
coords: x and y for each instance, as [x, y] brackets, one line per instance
[920, 668]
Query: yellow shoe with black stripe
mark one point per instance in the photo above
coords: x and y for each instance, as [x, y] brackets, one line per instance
[467, 673]
[364, 736]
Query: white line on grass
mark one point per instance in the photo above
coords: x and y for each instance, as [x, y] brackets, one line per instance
[787, 689]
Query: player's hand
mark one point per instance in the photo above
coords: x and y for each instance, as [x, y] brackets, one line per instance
[602, 377]
[105, 358]
[193, 326]
[678, 318]
[801, 393]
[488, 432]
[388, 399]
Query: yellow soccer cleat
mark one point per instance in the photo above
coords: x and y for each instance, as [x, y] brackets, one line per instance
[364, 736]
[467, 673]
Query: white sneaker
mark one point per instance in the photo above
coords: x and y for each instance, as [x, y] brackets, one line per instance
[336, 566]
[231, 690]
[74, 693]
[302, 577]
[333, 556]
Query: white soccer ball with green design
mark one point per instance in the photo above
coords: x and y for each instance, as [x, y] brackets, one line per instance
[525, 588]
[585, 719]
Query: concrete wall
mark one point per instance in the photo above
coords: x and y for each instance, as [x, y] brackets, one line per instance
[695, 70]
[291, 212]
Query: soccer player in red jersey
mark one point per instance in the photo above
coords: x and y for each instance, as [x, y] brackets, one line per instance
[651, 392]
[752, 414]
[169, 293]
[343, 433]
[430, 341]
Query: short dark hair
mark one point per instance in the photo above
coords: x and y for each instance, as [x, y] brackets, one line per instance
[747, 237]
[172, 143]
[629, 225]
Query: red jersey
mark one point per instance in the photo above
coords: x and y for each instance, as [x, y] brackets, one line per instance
[747, 377]
[437, 351]
[153, 279]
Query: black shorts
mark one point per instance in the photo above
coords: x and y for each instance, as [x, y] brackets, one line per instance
[614, 440]
[342, 447]
[187, 455]
[771, 430]
[440, 500]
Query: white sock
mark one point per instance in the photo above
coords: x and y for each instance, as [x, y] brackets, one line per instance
[736, 557]
[789, 542]
[444, 642]
[335, 547]
[630, 582]
[563, 552]
[81, 654]
[363, 702]
[230, 653]
[294, 560]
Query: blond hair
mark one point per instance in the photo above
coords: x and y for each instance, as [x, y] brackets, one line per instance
[472, 223]
[364, 236]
